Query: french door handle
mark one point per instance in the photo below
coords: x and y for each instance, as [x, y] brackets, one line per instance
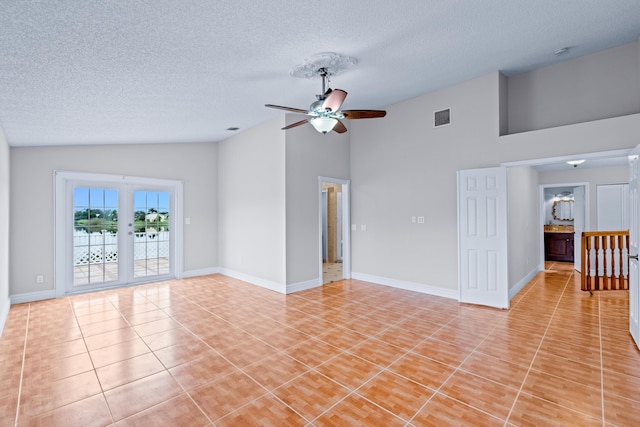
[634, 257]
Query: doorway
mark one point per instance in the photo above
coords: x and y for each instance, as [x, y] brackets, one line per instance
[578, 222]
[334, 230]
[113, 231]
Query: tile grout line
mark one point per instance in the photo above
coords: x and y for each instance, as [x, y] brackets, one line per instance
[457, 368]
[84, 341]
[24, 355]
[601, 358]
[157, 358]
[268, 392]
[555, 309]
[385, 368]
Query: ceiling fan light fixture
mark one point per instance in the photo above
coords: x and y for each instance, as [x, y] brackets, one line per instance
[323, 124]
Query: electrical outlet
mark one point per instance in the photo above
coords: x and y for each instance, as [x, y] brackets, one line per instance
[420, 220]
[39, 278]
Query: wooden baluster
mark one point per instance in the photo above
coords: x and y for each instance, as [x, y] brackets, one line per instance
[620, 277]
[615, 245]
[584, 262]
[606, 282]
[625, 283]
[596, 246]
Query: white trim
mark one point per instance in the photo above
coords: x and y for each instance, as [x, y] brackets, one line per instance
[4, 314]
[561, 159]
[303, 286]
[267, 284]
[200, 272]
[513, 291]
[62, 239]
[33, 296]
[409, 286]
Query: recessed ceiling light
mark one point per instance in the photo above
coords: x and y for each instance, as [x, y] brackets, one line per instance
[575, 163]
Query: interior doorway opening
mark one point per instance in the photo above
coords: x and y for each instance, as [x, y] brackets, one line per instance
[334, 230]
[554, 225]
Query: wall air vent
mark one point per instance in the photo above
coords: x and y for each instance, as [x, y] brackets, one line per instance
[442, 118]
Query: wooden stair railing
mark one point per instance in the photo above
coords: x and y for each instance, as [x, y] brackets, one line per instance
[605, 262]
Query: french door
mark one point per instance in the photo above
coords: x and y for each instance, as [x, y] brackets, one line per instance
[114, 231]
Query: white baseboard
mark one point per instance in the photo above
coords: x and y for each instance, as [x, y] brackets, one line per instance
[4, 313]
[409, 286]
[200, 272]
[303, 286]
[513, 291]
[33, 296]
[278, 287]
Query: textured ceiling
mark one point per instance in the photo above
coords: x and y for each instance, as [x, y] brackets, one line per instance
[136, 71]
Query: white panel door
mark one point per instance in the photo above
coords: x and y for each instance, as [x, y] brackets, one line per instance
[482, 237]
[634, 245]
[578, 225]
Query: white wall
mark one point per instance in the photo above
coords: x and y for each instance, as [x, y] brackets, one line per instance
[591, 87]
[32, 199]
[309, 155]
[4, 229]
[524, 222]
[402, 167]
[259, 184]
[252, 206]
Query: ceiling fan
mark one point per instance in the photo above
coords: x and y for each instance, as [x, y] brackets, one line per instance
[325, 114]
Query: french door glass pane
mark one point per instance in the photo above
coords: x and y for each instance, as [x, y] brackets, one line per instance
[151, 233]
[95, 235]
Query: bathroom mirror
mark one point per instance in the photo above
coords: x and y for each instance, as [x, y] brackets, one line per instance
[562, 210]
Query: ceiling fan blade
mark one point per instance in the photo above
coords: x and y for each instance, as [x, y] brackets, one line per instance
[293, 110]
[363, 114]
[292, 125]
[334, 99]
[340, 127]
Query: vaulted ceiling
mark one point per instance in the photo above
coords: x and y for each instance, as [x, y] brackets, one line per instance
[138, 71]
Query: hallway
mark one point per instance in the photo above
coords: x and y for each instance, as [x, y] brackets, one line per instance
[213, 350]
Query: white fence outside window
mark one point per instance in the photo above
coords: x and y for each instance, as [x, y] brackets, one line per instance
[99, 248]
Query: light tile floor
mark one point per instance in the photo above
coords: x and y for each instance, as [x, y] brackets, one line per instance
[216, 351]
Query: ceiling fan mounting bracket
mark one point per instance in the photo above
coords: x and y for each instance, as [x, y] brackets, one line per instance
[323, 65]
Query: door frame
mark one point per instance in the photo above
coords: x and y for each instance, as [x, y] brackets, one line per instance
[346, 221]
[634, 244]
[62, 180]
[542, 213]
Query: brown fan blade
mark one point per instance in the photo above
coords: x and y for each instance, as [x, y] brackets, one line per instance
[340, 127]
[280, 107]
[363, 114]
[292, 125]
[334, 100]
